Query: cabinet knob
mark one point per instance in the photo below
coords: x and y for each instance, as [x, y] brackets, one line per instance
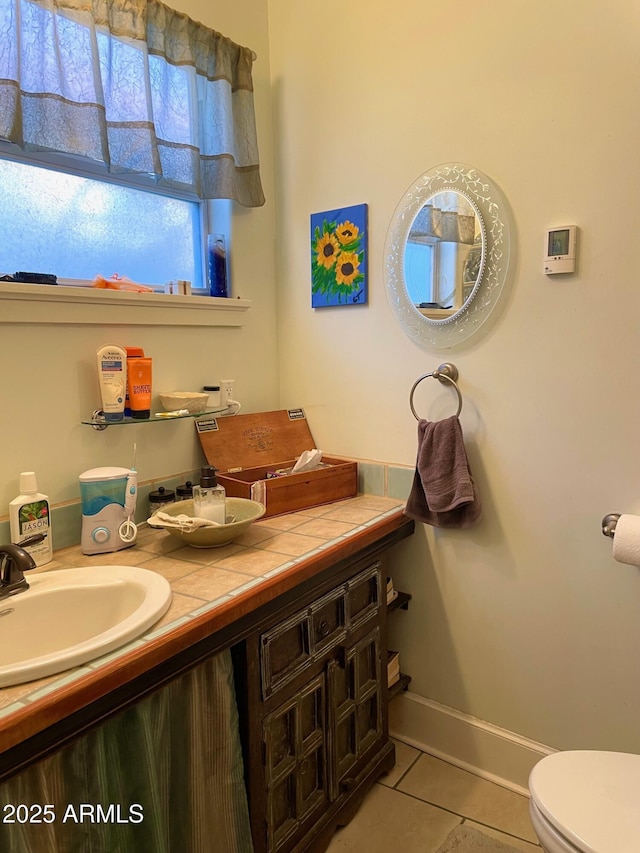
[323, 628]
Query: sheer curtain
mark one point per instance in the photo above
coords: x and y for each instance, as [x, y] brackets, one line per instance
[132, 84]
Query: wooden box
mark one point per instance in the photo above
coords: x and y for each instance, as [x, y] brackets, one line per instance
[246, 448]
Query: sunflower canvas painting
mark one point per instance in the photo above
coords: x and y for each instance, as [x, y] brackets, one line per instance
[339, 257]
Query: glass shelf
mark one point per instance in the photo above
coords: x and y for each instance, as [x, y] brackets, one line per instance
[97, 418]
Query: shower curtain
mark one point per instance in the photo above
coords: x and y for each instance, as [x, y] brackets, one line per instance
[165, 776]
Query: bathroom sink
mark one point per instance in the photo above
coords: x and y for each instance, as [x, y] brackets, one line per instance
[72, 616]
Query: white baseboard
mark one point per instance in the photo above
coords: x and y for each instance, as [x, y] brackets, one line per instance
[488, 751]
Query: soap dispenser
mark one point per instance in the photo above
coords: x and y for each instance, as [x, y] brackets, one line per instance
[209, 497]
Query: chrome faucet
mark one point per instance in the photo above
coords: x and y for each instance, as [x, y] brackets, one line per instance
[14, 562]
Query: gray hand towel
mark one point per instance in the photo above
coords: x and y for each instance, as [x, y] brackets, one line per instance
[443, 492]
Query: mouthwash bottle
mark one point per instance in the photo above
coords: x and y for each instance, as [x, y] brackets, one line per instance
[30, 514]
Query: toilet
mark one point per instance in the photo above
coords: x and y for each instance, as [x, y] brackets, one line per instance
[586, 801]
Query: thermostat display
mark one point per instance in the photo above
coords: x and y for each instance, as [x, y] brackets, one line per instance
[560, 250]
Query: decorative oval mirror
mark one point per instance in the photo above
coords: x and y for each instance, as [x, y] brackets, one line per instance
[447, 255]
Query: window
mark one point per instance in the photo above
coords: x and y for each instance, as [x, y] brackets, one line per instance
[154, 123]
[420, 269]
[78, 226]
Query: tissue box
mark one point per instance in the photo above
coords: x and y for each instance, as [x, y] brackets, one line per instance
[247, 448]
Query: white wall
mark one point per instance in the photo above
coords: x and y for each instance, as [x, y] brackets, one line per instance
[47, 373]
[525, 621]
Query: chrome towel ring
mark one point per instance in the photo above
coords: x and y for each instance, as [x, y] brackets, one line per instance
[446, 372]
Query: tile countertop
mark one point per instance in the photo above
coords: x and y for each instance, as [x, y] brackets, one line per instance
[211, 588]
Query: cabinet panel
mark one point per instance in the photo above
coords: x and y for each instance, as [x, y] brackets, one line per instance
[295, 762]
[329, 620]
[355, 709]
[285, 651]
[363, 596]
[287, 648]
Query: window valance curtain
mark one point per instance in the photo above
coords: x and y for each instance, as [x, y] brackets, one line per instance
[448, 216]
[132, 84]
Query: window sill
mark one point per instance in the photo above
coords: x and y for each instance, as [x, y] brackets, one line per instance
[35, 304]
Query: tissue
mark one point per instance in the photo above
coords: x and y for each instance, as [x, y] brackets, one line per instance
[626, 540]
[307, 461]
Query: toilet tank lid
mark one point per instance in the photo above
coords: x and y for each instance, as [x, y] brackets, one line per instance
[591, 797]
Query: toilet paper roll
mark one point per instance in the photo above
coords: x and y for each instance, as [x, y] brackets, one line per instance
[626, 540]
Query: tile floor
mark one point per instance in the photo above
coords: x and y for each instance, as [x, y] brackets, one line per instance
[414, 808]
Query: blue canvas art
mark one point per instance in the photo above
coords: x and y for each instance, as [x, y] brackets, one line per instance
[339, 257]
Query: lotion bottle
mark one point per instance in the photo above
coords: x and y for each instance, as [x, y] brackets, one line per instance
[112, 374]
[30, 514]
[139, 385]
[132, 352]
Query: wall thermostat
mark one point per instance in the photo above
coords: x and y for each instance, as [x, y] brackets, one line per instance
[560, 250]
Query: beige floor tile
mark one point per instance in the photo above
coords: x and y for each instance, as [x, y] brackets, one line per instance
[388, 821]
[405, 757]
[518, 843]
[449, 787]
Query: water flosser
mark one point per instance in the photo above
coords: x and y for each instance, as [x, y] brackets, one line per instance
[128, 530]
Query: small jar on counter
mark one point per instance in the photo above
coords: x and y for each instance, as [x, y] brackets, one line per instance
[161, 498]
[185, 491]
[214, 396]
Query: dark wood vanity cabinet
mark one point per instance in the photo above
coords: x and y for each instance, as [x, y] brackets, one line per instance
[315, 729]
[309, 650]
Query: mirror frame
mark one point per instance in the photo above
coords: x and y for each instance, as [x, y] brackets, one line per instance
[496, 226]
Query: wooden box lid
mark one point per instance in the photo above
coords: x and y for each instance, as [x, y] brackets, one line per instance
[254, 440]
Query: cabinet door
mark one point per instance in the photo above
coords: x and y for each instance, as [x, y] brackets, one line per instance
[285, 651]
[364, 596]
[355, 709]
[295, 762]
[322, 719]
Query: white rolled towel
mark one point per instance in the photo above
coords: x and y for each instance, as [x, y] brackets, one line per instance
[185, 523]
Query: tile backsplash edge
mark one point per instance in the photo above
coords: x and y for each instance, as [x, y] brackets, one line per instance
[374, 478]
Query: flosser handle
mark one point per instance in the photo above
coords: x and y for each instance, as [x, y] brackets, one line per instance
[131, 492]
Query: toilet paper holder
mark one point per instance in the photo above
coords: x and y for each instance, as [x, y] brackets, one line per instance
[609, 524]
